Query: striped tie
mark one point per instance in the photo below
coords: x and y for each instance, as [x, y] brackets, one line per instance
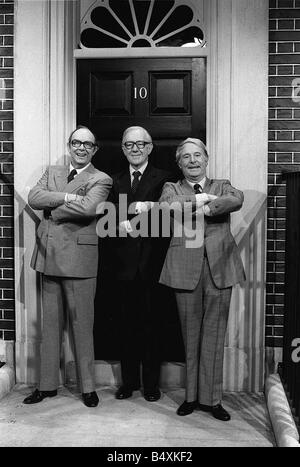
[72, 175]
[136, 181]
[197, 188]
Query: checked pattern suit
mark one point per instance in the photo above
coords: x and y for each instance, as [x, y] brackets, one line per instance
[202, 279]
[66, 254]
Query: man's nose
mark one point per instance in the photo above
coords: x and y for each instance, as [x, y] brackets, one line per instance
[193, 159]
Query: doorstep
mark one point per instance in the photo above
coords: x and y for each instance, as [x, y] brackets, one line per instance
[7, 371]
[282, 420]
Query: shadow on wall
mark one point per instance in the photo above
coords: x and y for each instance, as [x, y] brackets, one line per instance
[28, 291]
[244, 345]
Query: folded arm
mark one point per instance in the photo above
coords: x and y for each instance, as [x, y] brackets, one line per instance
[40, 197]
[84, 206]
[229, 201]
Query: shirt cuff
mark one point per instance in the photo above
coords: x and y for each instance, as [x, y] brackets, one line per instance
[206, 210]
[201, 198]
[127, 226]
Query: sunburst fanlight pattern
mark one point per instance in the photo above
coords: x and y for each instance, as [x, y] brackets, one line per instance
[141, 23]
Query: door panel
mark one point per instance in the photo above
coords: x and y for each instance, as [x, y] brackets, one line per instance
[170, 93]
[168, 98]
[111, 94]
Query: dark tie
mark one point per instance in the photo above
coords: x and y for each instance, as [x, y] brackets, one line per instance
[72, 175]
[197, 188]
[136, 181]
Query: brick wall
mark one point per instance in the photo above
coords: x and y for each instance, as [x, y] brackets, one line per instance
[284, 149]
[7, 316]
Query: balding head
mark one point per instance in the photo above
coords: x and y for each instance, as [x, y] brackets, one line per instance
[133, 129]
[137, 146]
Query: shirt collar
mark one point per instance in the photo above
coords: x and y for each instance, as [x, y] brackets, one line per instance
[141, 169]
[201, 183]
[78, 170]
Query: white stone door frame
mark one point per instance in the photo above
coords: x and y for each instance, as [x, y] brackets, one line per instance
[237, 121]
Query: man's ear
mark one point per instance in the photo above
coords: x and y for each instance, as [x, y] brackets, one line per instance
[150, 147]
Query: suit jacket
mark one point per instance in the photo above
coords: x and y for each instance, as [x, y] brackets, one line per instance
[145, 255]
[66, 239]
[183, 266]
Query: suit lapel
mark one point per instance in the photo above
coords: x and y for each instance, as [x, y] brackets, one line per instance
[61, 177]
[124, 185]
[187, 189]
[146, 183]
[80, 179]
[207, 185]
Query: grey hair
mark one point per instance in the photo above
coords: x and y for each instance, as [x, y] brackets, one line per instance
[131, 128]
[195, 141]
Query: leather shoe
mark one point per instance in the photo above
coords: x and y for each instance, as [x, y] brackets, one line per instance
[186, 408]
[90, 399]
[124, 392]
[152, 395]
[38, 396]
[217, 411]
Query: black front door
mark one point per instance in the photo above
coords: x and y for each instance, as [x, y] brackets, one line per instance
[167, 96]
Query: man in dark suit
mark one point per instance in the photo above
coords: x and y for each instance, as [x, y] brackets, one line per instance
[137, 262]
[66, 255]
[202, 274]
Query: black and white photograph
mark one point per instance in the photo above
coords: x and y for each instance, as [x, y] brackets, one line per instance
[149, 226]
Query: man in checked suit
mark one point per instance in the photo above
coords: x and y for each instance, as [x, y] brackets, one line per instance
[66, 255]
[203, 274]
[137, 264]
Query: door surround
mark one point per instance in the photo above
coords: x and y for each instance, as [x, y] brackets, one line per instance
[237, 122]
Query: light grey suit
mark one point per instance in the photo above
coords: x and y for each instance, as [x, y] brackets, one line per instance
[66, 253]
[203, 278]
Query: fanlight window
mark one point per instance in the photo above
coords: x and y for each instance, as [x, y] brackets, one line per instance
[141, 23]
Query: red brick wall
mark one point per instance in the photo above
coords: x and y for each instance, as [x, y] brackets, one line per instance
[284, 149]
[7, 315]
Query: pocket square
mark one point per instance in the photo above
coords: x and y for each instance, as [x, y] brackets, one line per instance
[81, 191]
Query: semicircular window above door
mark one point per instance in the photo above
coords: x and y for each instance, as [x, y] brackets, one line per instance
[141, 23]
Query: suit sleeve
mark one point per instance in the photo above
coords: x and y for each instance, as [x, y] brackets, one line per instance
[85, 206]
[231, 200]
[40, 197]
[170, 196]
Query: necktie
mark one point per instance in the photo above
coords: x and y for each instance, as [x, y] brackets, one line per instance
[197, 188]
[72, 175]
[136, 176]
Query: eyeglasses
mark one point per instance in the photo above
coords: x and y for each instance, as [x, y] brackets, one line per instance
[86, 144]
[139, 144]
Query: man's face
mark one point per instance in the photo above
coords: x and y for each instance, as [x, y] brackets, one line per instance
[81, 156]
[193, 162]
[137, 155]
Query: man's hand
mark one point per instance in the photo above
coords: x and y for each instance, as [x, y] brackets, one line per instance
[204, 198]
[71, 197]
[125, 226]
[143, 206]
[206, 210]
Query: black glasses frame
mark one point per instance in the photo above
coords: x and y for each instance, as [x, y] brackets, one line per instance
[139, 144]
[86, 144]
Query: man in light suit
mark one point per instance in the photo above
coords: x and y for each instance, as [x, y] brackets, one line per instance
[66, 255]
[137, 262]
[203, 274]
